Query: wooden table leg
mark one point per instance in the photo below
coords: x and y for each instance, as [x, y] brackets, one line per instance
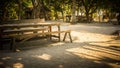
[12, 45]
[50, 29]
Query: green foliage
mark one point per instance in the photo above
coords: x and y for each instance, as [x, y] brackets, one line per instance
[9, 9]
[27, 3]
[12, 14]
[115, 5]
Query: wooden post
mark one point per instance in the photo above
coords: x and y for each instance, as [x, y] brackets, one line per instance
[50, 29]
[59, 33]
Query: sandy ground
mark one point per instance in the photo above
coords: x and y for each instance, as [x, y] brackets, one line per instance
[93, 47]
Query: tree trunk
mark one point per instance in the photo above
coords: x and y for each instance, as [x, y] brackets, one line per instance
[87, 15]
[20, 9]
[56, 15]
[36, 8]
[62, 15]
[73, 12]
[63, 12]
[33, 14]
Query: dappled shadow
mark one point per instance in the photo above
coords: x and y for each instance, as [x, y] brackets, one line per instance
[96, 52]
[101, 54]
[66, 55]
[35, 42]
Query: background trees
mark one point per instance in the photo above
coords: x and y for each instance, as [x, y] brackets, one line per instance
[57, 9]
[90, 7]
[8, 10]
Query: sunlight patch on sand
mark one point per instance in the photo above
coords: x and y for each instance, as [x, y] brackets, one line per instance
[57, 44]
[43, 56]
[106, 44]
[84, 36]
[18, 65]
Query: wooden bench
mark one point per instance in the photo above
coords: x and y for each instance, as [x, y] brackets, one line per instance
[31, 35]
[53, 32]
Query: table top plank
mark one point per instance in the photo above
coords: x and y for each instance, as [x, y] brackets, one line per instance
[28, 25]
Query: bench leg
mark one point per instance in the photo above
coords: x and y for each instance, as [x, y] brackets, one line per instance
[69, 36]
[65, 36]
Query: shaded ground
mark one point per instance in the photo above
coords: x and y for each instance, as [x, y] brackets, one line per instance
[93, 47]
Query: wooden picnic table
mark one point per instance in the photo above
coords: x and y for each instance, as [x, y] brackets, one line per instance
[17, 30]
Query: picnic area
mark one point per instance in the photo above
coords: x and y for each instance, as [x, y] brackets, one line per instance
[59, 34]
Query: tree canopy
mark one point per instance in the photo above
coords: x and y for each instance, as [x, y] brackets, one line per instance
[54, 9]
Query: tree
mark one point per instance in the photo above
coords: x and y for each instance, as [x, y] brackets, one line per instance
[90, 7]
[56, 7]
[115, 5]
[116, 8]
[45, 9]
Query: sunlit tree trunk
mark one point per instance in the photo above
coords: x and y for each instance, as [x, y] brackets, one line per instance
[73, 12]
[62, 11]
